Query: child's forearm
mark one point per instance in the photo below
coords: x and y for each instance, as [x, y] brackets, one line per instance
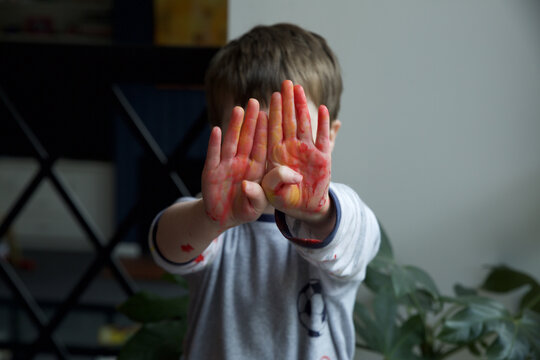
[185, 231]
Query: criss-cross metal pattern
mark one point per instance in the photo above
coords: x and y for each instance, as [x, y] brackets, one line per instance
[46, 340]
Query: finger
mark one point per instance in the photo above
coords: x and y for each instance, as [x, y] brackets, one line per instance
[302, 115]
[254, 201]
[245, 141]
[214, 149]
[279, 176]
[230, 142]
[258, 153]
[275, 130]
[323, 130]
[289, 118]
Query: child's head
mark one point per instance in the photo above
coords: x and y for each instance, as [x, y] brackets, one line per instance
[255, 64]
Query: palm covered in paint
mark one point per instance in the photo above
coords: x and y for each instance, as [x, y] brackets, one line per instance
[302, 192]
[233, 170]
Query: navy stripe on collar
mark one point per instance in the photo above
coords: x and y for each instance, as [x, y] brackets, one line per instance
[267, 218]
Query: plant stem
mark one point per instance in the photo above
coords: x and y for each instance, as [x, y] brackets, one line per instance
[532, 303]
[451, 351]
[363, 347]
[443, 317]
[418, 307]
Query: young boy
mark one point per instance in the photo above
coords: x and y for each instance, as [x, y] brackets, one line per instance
[273, 251]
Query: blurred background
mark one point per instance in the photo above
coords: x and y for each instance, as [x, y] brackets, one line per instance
[441, 123]
[440, 113]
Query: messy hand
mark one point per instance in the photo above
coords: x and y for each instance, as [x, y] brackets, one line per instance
[299, 170]
[233, 171]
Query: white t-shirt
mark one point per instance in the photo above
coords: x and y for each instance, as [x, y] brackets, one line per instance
[261, 291]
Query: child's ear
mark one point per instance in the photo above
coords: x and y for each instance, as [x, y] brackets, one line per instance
[334, 128]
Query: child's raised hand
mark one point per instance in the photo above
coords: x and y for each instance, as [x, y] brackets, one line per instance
[233, 171]
[299, 170]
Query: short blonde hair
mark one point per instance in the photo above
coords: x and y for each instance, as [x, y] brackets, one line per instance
[255, 65]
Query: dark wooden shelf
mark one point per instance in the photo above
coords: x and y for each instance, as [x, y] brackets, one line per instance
[183, 66]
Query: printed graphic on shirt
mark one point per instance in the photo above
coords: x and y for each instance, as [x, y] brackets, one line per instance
[312, 308]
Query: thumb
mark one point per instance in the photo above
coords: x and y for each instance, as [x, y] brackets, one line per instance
[280, 176]
[254, 200]
[282, 187]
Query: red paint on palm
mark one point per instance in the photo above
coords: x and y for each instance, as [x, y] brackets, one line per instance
[226, 187]
[291, 144]
[315, 170]
[242, 156]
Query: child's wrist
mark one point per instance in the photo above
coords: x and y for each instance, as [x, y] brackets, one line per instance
[211, 220]
[321, 216]
[314, 218]
[321, 227]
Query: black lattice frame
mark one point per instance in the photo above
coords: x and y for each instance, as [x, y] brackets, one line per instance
[46, 339]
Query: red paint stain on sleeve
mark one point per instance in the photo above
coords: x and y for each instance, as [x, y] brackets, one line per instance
[186, 248]
[199, 258]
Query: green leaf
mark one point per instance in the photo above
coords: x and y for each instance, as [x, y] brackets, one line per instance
[423, 279]
[407, 279]
[474, 349]
[421, 300]
[478, 302]
[376, 280]
[509, 344]
[402, 282]
[478, 316]
[175, 279]
[380, 263]
[385, 249]
[385, 311]
[381, 331]
[461, 290]
[367, 329]
[530, 328]
[145, 307]
[461, 329]
[516, 338]
[377, 328]
[409, 335]
[503, 279]
[531, 300]
[385, 256]
[161, 340]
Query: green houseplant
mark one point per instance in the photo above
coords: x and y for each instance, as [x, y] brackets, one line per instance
[163, 323]
[407, 318]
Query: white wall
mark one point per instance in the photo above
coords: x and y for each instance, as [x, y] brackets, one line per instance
[441, 122]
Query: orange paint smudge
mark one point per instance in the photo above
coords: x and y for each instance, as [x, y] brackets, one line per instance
[294, 195]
